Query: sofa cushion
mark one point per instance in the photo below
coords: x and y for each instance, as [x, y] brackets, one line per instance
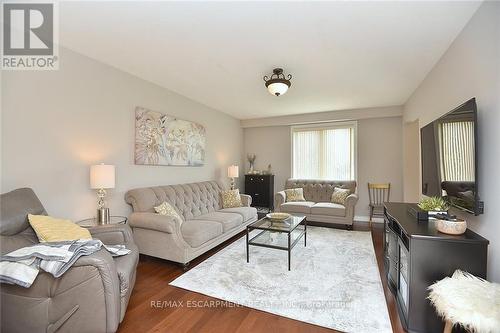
[246, 212]
[198, 232]
[339, 195]
[50, 229]
[303, 207]
[228, 220]
[328, 208]
[294, 194]
[231, 198]
[168, 210]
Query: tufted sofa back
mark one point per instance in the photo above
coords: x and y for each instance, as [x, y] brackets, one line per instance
[319, 190]
[191, 200]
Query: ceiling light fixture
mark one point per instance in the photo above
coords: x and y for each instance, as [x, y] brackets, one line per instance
[278, 84]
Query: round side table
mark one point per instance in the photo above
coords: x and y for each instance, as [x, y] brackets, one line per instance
[92, 222]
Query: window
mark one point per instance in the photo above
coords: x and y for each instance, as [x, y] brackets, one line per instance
[324, 152]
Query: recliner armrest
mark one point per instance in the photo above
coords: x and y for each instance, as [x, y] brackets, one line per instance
[106, 266]
[279, 199]
[246, 200]
[154, 221]
[60, 293]
[112, 234]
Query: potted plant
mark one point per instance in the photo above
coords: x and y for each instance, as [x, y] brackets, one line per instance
[434, 205]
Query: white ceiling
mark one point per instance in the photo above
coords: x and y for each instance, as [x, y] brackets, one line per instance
[342, 55]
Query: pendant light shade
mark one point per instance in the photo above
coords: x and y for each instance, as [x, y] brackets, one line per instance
[277, 84]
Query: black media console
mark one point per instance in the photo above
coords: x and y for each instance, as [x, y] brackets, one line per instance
[417, 255]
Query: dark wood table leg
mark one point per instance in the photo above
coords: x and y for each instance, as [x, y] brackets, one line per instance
[248, 252]
[289, 250]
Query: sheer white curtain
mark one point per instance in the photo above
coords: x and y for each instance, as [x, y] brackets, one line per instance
[323, 153]
[457, 150]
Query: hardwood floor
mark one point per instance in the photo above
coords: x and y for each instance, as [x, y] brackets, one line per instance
[157, 307]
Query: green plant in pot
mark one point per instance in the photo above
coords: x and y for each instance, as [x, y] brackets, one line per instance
[434, 205]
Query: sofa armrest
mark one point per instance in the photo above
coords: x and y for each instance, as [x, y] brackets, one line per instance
[350, 204]
[155, 221]
[246, 200]
[279, 199]
[112, 234]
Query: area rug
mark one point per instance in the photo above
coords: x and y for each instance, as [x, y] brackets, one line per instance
[334, 282]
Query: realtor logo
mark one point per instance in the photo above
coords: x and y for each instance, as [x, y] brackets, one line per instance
[29, 36]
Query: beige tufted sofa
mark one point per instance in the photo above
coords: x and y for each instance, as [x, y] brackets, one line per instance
[204, 223]
[318, 207]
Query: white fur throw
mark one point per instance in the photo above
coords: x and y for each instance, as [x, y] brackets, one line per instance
[468, 301]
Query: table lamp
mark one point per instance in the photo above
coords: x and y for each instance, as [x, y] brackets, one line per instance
[232, 172]
[102, 177]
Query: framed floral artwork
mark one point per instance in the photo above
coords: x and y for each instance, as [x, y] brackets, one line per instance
[162, 139]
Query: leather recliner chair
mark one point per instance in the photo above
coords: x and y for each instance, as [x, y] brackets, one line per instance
[91, 296]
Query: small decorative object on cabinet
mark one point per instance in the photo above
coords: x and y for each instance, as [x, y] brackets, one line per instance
[450, 225]
[269, 170]
[261, 188]
[251, 160]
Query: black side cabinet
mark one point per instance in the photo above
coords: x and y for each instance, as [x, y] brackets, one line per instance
[261, 188]
[416, 255]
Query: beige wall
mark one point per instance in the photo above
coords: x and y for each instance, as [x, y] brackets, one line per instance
[471, 68]
[325, 116]
[57, 123]
[271, 145]
[411, 161]
[379, 155]
[380, 158]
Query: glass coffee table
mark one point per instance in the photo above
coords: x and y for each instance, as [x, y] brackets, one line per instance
[279, 235]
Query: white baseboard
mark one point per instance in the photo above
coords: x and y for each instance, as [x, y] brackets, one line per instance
[367, 219]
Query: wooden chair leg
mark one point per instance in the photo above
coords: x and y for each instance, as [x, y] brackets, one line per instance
[448, 327]
[371, 216]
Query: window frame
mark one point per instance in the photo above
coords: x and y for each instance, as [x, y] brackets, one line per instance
[326, 126]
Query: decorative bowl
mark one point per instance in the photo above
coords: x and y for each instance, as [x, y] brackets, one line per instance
[278, 216]
[453, 227]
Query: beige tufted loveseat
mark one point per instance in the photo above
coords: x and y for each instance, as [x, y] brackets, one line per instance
[318, 206]
[204, 224]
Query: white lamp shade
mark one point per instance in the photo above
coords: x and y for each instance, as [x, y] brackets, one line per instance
[232, 171]
[102, 176]
[277, 88]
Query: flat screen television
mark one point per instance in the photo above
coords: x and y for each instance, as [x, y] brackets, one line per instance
[449, 158]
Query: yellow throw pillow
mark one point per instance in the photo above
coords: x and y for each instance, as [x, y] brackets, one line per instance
[168, 210]
[49, 229]
[340, 195]
[295, 194]
[231, 199]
